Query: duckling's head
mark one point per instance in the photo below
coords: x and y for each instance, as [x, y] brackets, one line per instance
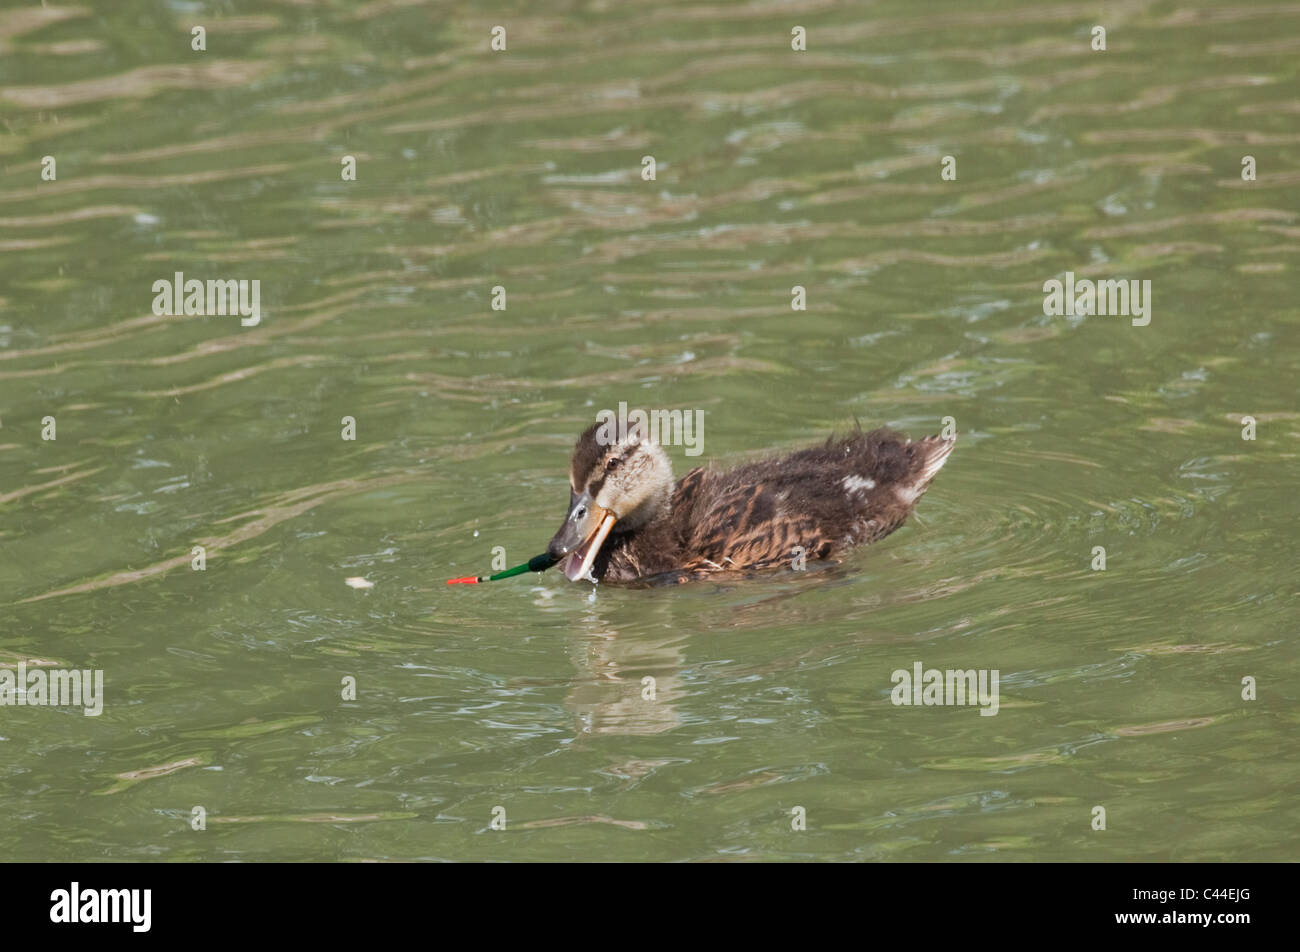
[620, 481]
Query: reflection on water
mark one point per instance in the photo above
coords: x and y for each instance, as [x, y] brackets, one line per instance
[628, 684]
[523, 170]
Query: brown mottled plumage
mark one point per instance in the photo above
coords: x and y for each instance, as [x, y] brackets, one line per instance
[827, 499]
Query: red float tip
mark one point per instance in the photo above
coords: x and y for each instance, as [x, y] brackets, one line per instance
[467, 580]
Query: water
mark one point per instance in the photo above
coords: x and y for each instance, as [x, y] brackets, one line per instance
[1120, 688]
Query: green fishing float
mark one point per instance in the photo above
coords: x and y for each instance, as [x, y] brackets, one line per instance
[538, 563]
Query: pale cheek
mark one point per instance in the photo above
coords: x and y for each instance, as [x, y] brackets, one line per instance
[618, 499]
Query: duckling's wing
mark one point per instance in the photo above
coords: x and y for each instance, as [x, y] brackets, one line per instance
[737, 525]
[814, 503]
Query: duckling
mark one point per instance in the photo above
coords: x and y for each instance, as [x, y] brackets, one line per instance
[629, 522]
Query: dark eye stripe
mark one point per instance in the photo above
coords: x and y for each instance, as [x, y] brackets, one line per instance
[595, 487]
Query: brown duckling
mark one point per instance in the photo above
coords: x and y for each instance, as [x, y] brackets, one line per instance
[628, 522]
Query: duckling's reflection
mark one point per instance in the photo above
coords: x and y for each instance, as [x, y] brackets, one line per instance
[625, 637]
[631, 679]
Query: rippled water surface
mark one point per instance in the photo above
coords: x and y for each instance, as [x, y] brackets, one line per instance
[1120, 688]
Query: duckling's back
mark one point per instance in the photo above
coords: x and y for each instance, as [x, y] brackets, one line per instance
[822, 501]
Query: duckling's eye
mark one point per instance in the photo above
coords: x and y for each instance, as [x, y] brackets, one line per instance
[611, 464]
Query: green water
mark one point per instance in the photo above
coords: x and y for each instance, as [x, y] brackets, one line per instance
[1120, 688]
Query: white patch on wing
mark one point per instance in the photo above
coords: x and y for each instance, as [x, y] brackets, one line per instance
[857, 484]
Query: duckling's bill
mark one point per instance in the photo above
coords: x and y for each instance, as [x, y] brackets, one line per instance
[578, 542]
[578, 565]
